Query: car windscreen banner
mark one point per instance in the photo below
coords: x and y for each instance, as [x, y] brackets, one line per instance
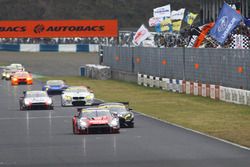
[58, 28]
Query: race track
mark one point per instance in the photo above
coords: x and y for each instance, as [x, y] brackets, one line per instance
[45, 138]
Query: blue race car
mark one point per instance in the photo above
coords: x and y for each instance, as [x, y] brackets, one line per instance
[54, 87]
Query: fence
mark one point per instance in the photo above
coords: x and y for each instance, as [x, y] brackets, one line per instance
[227, 67]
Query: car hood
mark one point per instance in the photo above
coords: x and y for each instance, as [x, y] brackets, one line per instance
[99, 120]
[38, 99]
[84, 94]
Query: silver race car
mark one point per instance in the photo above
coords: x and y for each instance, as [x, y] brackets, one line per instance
[35, 100]
[77, 96]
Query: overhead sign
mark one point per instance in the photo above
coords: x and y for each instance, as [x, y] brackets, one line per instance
[58, 28]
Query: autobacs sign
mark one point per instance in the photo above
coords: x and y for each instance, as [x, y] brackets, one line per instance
[61, 28]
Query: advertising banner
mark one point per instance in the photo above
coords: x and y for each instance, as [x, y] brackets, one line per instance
[164, 11]
[178, 14]
[58, 28]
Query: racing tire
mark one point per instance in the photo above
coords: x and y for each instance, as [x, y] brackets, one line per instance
[22, 108]
[75, 130]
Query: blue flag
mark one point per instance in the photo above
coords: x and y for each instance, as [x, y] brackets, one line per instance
[247, 22]
[228, 19]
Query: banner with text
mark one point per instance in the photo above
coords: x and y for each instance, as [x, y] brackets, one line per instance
[164, 11]
[58, 28]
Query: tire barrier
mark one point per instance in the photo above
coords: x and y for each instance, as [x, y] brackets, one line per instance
[216, 92]
[96, 71]
[50, 48]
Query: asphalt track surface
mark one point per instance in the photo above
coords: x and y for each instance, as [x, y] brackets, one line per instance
[45, 138]
[50, 63]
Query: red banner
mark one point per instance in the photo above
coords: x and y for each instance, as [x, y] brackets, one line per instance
[58, 28]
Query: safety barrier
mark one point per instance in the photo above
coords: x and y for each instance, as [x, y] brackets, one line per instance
[50, 48]
[216, 92]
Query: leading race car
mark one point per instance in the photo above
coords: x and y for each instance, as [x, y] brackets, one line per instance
[35, 99]
[95, 120]
[54, 86]
[21, 77]
[77, 96]
[125, 115]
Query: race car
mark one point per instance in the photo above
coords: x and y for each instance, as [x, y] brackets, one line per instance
[92, 120]
[35, 99]
[125, 114]
[8, 72]
[17, 66]
[77, 96]
[54, 86]
[21, 77]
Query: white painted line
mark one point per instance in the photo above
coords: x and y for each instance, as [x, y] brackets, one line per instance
[194, 131]
[20, 118]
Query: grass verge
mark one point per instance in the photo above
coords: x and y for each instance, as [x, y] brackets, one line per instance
[216, 118]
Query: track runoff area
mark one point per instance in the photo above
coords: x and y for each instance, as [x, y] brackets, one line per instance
[45, 137]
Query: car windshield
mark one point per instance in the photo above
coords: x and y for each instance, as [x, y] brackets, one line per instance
[55, 82]
[76, 89]
[118, 109]
[95, 113]
[21, 74]
[36, 94]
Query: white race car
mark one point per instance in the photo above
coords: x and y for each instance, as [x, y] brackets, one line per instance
[77, 96]
[35, 99]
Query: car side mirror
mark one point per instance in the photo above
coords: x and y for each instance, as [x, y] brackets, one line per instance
[130, 109]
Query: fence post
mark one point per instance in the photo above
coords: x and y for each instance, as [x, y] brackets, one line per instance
[184, 60]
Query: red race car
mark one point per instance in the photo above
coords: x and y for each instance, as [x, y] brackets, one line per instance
[21, 77]
[95, 120]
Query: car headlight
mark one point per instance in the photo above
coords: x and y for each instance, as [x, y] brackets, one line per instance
[49, 101]
[114, 122]
[129, 116]
[67, 97]
[89, 97]
[7, 75]
[4, 74]
[27, 102]
[83, 123]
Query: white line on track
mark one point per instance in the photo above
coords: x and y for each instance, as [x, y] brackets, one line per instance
[20, 118]
[194, 131]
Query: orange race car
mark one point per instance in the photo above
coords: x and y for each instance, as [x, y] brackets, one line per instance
[21, 77]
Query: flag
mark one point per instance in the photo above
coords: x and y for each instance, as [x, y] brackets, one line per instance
[165, 25]
[153, 21]
[203, 34]
[228, 19]
[247, 22]
[177, 25]
[190, 17]
[177, 14]
[141, 34]
[164, 11]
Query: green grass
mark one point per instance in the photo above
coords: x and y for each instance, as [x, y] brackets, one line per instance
[220, 119]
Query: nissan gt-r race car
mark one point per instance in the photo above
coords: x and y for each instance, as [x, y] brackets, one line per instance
[77, 96]
[92, 120]
[35, 99]
[126, 117]
[21, 77]
[54, 86]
